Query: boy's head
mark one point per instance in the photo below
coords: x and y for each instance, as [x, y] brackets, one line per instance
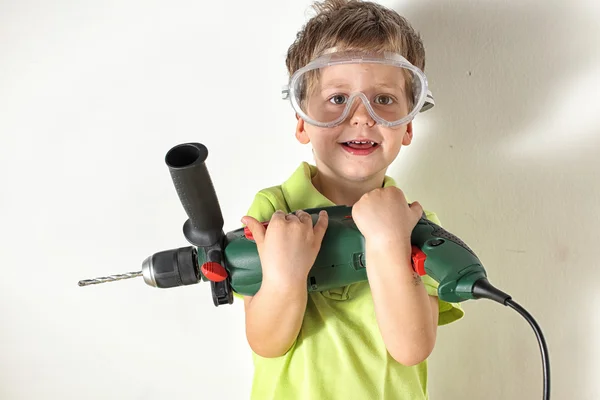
[371, 102]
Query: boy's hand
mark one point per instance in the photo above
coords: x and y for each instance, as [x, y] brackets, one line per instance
[289, 246]
[384, 216]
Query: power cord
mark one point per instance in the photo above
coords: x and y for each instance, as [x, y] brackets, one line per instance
[484, 289]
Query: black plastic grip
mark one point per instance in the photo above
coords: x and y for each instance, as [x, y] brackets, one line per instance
[196, 192]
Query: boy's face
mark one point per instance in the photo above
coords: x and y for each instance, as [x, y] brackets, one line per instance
[337, 149]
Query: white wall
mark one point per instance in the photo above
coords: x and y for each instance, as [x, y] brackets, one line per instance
[93, 94]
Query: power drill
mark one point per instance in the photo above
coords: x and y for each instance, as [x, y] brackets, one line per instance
[230, 261]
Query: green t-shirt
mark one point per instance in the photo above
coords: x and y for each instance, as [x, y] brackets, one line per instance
[339, 352]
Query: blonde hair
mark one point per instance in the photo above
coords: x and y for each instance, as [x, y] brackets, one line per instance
[354, 25]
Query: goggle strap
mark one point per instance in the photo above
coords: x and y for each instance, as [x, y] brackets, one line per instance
[429, 102]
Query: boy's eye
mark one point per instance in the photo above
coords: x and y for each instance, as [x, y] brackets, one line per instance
[384, 99]
[338, 99]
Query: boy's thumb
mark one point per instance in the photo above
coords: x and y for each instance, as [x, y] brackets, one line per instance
[416, 208]
[256, 228]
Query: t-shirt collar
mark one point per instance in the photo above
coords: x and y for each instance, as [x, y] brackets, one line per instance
[300, 193]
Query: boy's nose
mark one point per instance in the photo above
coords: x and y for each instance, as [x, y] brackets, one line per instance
[360, 115]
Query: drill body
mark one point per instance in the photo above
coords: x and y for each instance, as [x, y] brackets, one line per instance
[342, 260]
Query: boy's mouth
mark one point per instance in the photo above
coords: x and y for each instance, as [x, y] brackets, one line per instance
[360, 147]
[360, 144]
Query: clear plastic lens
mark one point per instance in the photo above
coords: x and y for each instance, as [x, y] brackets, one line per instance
[329, 94]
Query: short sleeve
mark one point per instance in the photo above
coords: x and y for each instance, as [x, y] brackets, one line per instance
[448, 312]
[261, 208]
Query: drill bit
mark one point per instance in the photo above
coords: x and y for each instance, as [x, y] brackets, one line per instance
[111, 278]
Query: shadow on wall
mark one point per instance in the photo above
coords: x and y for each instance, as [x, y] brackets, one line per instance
[514, 62]
[506, 159]
[499, 72]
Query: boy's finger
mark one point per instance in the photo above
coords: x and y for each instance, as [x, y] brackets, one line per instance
[278, 215]
[321, 226]
[303, 216]
[256, 228]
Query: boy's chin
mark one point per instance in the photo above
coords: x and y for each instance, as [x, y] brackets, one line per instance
[361, 172]
[353, 169]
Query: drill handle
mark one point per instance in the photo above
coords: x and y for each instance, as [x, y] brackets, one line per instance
[195, 189]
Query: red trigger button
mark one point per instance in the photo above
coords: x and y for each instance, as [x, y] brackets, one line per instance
[418, 260]
[214, 271]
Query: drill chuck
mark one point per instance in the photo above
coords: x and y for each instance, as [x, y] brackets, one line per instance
[171, 268]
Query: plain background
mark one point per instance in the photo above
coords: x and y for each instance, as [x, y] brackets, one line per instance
[93, 94]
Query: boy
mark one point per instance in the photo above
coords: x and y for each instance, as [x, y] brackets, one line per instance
[369, 340]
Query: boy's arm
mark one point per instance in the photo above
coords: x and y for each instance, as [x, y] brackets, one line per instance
[406, 314]
[275, 313]
[274, 316]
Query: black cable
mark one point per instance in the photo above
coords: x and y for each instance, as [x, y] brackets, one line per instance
[542, 342]
[484, 289]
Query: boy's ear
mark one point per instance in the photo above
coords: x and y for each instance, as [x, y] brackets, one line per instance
[408, 135]
[301, 134]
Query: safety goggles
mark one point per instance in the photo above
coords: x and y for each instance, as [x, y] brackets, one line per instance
[327, 90]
